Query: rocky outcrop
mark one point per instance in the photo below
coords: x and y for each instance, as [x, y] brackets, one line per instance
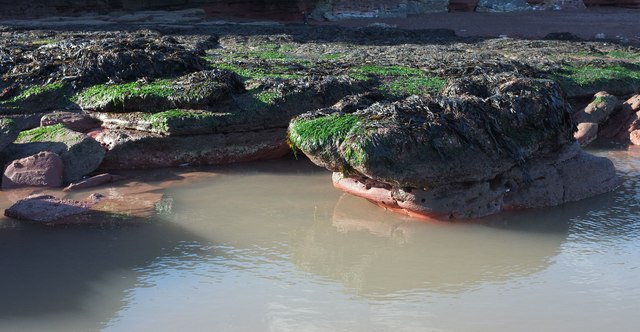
[40, 170]
[80, 153]
[624, 123]
[457, 156]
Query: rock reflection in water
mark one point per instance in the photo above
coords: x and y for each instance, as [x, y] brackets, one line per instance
[375, 252]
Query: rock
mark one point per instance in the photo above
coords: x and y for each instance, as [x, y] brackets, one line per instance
[598, 110]
[47, 209]
[634, 137]
[561, 36]
[96, 57]
[502, 5]
[40, 170]
[199, 89]
[555, 181]
[133, 149]
[382, 141]
[462, 5]
[621, 120]
[9, 131]
[80, 153]
[587, 132]
[75, 121]
[94, 181]
[245, 112]
[414, 155]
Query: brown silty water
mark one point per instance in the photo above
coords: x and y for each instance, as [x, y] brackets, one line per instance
[273, 246]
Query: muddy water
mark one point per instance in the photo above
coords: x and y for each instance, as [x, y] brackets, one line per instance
[273, 247]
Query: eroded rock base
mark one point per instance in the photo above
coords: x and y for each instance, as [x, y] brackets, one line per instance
[569, 176]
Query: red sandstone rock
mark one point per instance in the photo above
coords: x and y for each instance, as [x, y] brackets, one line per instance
[621, 119]
[634, 137]
[134, 150]
[94, 181]
[40, 170]
[74, 121]
[48, 209]
[598, 110]
[587, 132]
[572, 175]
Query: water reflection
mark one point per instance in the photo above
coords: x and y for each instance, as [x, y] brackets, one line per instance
[80, 276]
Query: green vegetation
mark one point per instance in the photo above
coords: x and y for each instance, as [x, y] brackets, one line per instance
[41, 134]
[247, 73]
[386, 71]
[41, 42]
[399, 81]
[323, 130]
[628, 55]
[331, 56]
[36, 90]
[265, 60]
[599, 100]
[414, 86]
[268, 97]
[573, 75]
[116, 93]
[160, 121]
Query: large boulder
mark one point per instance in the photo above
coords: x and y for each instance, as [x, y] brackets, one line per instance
[40, 170]
[80, 153]
[457, 157]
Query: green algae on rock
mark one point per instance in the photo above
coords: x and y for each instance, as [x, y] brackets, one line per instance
[194, 90]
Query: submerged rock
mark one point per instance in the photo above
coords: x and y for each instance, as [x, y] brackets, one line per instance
[48, 209]
[457, 157]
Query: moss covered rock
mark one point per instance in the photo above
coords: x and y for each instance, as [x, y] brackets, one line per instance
[199, 89]
[422, 141]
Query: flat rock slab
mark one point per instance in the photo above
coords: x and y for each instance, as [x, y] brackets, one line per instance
[133, 149]
[47, 209]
